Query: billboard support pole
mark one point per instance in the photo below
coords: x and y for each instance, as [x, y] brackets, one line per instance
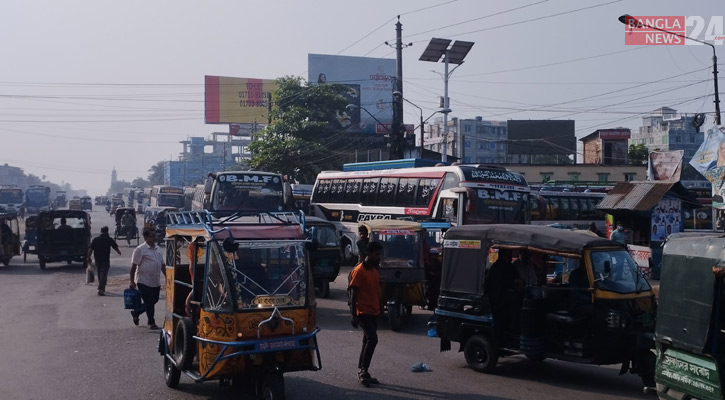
[398, 131]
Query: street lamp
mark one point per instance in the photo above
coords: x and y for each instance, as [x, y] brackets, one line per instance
[422, 123]
[436, 49]
[630, 20]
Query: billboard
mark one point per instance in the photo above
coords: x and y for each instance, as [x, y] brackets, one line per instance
[541, 137]
[237, 100]
[709, 160]
[369, 83]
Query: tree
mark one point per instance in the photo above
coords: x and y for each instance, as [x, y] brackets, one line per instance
[638, 154]
[156, 174]
[304, 136]
[140, 182]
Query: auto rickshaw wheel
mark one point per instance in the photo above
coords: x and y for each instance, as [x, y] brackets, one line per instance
[647, 362]
[395, 315]
[184, 343]
[6, 262]
[324, 288]
[271, 386]
[480, 354]
[41, 261]
[171, 373]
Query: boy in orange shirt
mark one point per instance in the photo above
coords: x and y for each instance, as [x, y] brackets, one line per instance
[365, 307]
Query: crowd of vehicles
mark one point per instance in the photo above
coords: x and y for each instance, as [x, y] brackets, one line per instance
[243, 268]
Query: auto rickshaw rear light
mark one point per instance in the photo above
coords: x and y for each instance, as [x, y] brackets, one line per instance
[614, 319]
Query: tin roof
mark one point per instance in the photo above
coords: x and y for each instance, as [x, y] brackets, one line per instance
[644, 195]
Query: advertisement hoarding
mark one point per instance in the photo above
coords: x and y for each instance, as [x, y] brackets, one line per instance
[709, 160]
[237, 100]
[369, 83]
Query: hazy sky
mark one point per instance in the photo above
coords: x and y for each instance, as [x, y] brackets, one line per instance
[86, 85]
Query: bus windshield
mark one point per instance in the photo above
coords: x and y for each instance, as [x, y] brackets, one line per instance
[11, 196]
[250, 193]
[491, 206]
[269, 274]
[36, 197]
[171, 200]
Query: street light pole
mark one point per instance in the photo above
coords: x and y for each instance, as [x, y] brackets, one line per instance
[627, 19]
[422, 123]
[446, 110]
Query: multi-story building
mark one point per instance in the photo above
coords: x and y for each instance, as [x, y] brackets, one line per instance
[10, 175]
[195, 163]
[470, 140]
[541, 142]
[665, 129]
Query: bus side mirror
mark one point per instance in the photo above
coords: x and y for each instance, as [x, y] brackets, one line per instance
[229, 245]
[287, 196]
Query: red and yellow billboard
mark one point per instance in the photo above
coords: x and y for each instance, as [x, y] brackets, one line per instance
[237, 100]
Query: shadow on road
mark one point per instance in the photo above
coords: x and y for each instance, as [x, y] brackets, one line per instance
[303, 388]
[34, 269]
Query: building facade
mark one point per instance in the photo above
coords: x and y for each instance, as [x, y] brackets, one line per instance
[541, 142]
[201, 156]
[606, 146]
[474, 140]
[665, 129]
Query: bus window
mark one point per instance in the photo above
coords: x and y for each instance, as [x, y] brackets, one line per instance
[574, 208]
[386, 192]
[555, 207]
[448, 209]
[337, 191]
[352, 191]
[406, 192]
[426, 190]
[564, 211]
[370, 191]
[321, 191]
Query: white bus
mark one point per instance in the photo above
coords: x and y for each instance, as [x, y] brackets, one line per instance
[246, 192]
[11, 198]
[167, 196]
[489, 194]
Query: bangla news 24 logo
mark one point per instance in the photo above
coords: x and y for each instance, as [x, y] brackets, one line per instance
[649, 30]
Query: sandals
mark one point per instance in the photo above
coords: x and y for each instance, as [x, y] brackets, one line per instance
[367, 380]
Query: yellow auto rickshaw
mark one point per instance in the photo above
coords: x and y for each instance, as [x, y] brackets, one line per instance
[9, 236]
[240, 303]
[402, 270]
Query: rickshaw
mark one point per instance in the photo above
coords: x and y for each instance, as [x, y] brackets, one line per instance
[599, 310]
[9, 236]
[690, 334]
[31, 237]
[402, 273]
[128, 233]
[326, 256]
[63, 235]
[239, 304]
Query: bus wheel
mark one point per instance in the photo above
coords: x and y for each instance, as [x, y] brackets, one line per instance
[41, 261]
[480, 354]
[184, 343]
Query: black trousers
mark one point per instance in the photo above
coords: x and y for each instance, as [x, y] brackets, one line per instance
[102, 267]
[150, 296]
[369, 325]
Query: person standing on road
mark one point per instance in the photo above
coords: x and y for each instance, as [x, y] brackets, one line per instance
[147, 264]
[619, 235]
[365, 307]
[362, 243]
[102, 246]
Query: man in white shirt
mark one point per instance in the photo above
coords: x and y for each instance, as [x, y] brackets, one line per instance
[147, 265]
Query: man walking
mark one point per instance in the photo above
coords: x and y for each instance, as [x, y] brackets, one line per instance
[147, 264]
[362, 243]
[365, 307]
[102, 245]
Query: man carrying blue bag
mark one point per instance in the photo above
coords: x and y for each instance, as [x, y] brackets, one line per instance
[147, 265]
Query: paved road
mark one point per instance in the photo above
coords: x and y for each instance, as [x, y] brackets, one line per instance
[59, 340]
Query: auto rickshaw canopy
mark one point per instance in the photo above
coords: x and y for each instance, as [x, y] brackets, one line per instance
[377, 225]
[688, 291]
[266, 226]
[467, 246]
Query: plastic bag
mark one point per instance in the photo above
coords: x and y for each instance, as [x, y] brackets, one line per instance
[421, 367]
